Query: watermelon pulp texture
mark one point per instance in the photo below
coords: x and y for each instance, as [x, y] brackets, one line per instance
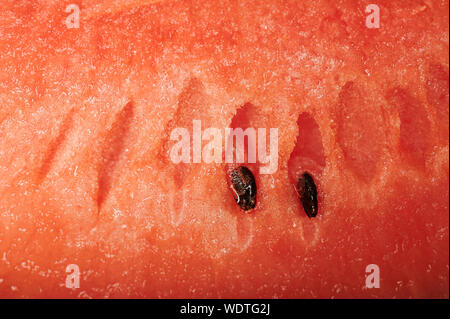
[85, 123]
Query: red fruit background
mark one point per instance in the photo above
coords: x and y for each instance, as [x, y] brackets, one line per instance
[85, 122]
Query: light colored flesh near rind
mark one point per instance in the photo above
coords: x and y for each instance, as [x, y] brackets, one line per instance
[89, 111]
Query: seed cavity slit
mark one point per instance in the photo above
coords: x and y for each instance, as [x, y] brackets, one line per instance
[307, 159]
[242, 164]
[54, 147]
[114, 145]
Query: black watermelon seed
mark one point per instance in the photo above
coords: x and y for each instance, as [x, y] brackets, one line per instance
[307, 190]
[244, 187]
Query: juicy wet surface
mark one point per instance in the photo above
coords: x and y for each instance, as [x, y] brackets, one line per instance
[85, 121]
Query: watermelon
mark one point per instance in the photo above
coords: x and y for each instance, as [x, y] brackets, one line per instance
[86, 178]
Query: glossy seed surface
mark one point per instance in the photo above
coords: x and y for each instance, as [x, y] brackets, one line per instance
[244, 186]
[307, 191]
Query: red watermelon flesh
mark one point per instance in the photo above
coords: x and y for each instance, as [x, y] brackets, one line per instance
[85, 122]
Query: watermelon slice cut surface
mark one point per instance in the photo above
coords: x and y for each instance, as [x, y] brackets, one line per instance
[86, 177]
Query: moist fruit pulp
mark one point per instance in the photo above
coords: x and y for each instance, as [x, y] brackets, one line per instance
[85, 129]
